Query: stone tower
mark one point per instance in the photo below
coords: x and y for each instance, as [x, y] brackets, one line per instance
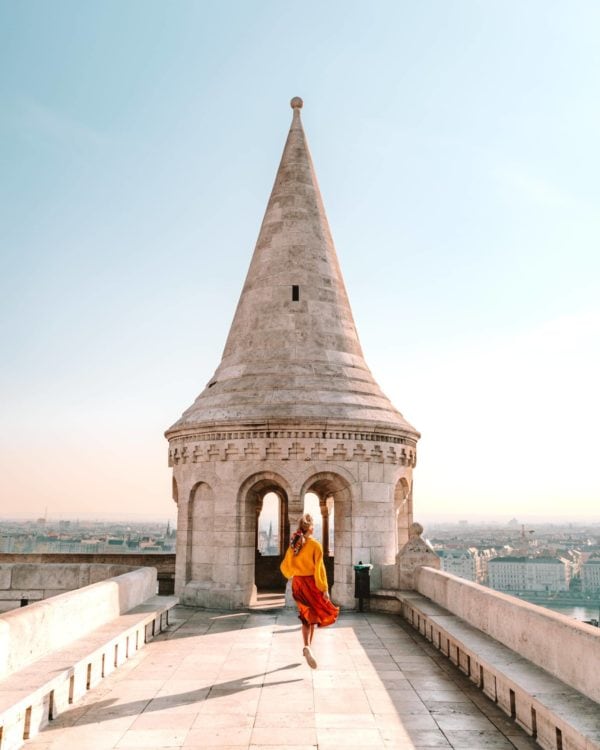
[292, 408]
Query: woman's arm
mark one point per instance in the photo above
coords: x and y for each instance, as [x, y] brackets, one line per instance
[320, 573]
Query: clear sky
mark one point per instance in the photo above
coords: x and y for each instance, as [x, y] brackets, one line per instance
[458, 152]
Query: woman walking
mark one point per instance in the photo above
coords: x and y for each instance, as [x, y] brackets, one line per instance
[303, 562]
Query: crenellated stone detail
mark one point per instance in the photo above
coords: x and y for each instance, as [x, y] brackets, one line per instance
[289, 449]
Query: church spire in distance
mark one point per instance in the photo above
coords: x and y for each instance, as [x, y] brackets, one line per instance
[292, 356]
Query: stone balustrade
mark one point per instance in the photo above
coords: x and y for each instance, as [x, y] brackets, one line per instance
[568, 649]
[539, 666]
[90, 571]
[53, 651]
[29, 633]
[24, 583]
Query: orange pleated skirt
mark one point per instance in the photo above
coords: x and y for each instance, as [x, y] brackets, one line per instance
[313, 607]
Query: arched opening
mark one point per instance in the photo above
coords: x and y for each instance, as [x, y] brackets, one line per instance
[268, 527]
[265, 505]
[327, 497]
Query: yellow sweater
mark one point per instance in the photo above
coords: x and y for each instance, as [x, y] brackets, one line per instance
[308, 562]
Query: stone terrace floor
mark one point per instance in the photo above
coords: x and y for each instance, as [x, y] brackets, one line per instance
[238, 680]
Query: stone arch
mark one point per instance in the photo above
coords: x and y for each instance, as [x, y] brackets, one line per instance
[263, 480]
[200, 533]
[263, 572]
[339, 477]
[403, 511]
[334, 487]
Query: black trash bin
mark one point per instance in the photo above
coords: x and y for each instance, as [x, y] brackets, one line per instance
[362, 583]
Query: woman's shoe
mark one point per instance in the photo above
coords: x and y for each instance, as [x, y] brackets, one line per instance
[312, 662]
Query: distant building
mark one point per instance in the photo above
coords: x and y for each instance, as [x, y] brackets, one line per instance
[543, 574]
[590, 575]
[469, 563]
[460, 562]
[483, 558]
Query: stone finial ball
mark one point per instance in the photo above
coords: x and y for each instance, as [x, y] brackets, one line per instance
[415, 530]
[296, 103]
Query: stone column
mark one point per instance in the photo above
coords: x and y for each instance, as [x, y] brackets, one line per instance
[325, 519]
[183, 544]
[295, 511]
[259, 507]
[342, 591]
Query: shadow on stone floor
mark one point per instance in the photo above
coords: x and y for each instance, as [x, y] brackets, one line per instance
[380, 684]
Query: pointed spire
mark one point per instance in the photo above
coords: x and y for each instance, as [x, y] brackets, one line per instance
[293, 352]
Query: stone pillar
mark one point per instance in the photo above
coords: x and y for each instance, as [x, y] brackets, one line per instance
[184, 536]
[342, 592]
[295, 511]
[325, 519]
[230, 583]
[259, 507]
[181, 547]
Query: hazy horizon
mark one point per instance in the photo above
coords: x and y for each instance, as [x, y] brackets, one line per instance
[457, 151]
[425, 518]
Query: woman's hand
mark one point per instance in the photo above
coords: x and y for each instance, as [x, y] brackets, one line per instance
[326, 595]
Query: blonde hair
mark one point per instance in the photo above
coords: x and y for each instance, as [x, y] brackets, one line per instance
[305, 523]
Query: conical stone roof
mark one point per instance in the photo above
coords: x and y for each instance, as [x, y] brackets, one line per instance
[293, 355]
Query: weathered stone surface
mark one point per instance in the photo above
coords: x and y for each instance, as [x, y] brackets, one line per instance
[568, 649]
[30, 633]
[51, 576]
[33, 581]
[540, 702]
[5, 576]
[292, 408]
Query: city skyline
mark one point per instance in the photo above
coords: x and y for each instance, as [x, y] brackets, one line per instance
[459, 182]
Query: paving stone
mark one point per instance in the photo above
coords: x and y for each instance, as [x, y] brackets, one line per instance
[286, 704]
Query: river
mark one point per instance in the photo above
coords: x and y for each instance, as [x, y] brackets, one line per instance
[579, 613]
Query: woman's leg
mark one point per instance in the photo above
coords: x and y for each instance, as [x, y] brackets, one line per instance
[307, 633]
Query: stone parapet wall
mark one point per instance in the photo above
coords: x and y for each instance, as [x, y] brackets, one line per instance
[30, 633]
[26, 583]
[564, 647]
[163, 562]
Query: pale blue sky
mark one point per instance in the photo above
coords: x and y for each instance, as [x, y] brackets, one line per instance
[457, 149]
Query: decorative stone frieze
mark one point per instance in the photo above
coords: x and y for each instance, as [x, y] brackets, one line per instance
[289, 450]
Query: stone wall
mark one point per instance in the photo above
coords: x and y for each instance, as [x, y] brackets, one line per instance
[29, 633]
[25, 583]
[566, 648]
[164, 564]
[218, 500]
